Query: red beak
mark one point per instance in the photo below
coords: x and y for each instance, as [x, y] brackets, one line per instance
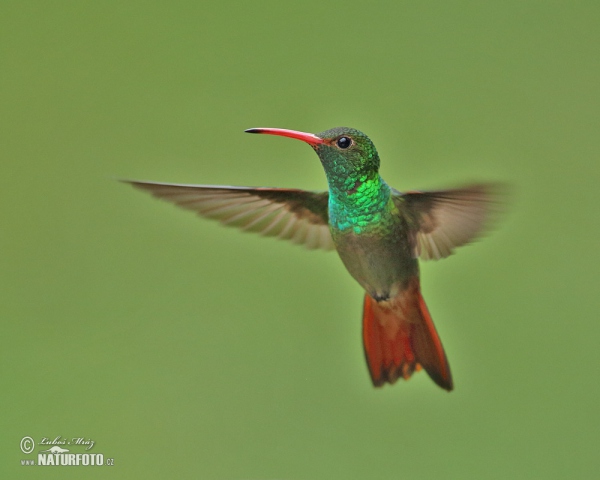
[309, 138]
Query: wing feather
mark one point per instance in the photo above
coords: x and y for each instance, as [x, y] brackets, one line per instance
[297, 215]
[445, 219]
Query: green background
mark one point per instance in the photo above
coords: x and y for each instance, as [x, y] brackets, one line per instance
[188, 350]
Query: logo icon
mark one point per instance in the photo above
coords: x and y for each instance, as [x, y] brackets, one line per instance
[55, 449]
[57, 454]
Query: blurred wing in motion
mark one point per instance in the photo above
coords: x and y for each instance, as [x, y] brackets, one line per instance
[296, 215]
[445, 219]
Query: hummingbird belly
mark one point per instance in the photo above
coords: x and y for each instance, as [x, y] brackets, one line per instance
[381, 263]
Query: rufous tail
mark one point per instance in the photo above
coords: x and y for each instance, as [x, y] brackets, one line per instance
[399, 338]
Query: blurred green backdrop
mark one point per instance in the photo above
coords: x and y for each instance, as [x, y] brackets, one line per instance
[188, 350]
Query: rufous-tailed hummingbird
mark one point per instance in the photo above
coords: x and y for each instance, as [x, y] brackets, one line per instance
[378, 232]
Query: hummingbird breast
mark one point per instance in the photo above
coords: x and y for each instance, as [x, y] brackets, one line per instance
[379, 257]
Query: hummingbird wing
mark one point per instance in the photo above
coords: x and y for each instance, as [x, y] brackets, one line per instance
[445, 219]
[297, 215]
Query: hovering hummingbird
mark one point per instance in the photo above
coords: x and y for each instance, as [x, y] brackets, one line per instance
[378, 232]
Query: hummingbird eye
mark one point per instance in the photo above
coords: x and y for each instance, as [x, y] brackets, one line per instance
[344, 142]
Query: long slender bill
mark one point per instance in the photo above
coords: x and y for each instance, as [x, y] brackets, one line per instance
[309, 138]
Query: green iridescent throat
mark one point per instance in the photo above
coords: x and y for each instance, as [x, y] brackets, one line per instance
[359, 200]
[359, 208]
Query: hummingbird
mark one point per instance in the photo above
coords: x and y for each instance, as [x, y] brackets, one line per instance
[379, 233]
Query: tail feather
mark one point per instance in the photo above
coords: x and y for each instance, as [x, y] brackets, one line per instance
[399, 338]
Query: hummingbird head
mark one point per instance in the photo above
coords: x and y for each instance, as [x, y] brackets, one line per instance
[347, 155]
